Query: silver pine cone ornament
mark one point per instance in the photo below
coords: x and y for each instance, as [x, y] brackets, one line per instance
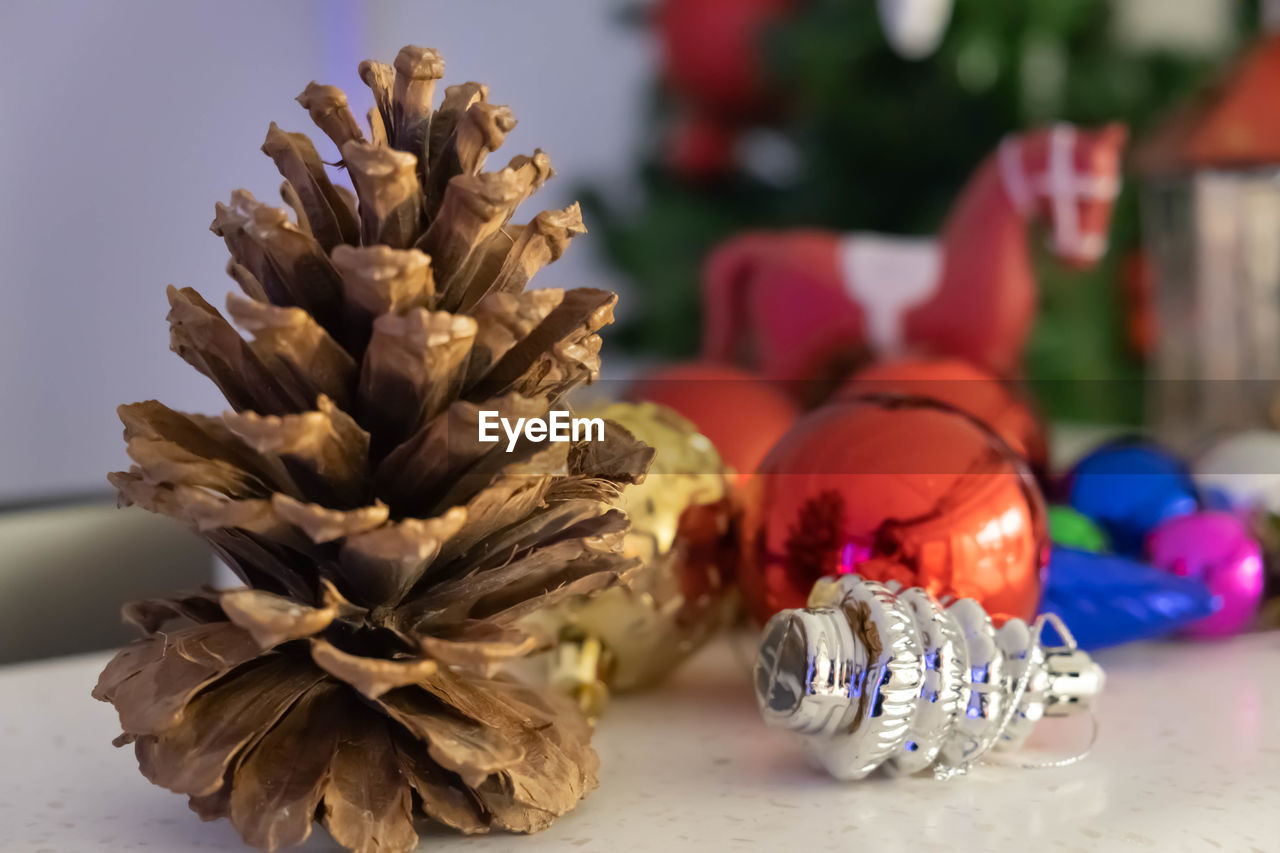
[389, 558]
[870, 675]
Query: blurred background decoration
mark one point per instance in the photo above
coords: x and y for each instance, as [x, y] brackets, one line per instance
[805, 306]
[1211, 210]
[778, 113]
[828, 126]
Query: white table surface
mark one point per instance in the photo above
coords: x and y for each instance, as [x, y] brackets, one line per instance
[1188, 758]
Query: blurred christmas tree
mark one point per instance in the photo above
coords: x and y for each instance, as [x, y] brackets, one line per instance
[841, 132]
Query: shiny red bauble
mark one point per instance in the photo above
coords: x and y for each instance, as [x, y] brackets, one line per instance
[970, 389]
[741, 413]
[903, 487]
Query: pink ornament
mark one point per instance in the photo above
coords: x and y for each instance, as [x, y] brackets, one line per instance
[1216, 549]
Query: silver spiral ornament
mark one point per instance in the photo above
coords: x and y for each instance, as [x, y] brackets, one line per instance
[870, 675]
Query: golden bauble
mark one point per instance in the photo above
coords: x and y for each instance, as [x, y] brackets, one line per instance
[631, 637]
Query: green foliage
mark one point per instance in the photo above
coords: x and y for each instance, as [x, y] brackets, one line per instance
[885, 144]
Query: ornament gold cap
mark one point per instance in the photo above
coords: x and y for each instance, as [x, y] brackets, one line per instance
[580, 667]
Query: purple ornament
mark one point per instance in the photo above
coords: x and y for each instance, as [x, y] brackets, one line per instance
[1216, 549]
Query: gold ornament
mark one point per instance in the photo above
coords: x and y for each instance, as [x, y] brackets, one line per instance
[627, 638]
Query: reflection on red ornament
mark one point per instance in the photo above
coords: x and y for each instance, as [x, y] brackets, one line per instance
[706, 555]
[893, 488]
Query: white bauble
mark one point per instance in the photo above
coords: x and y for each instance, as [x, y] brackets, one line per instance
[914, 28]
[1245, 466]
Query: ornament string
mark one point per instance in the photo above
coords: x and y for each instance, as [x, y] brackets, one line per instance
[1052, 763]
[1068, 644]
[980, 747]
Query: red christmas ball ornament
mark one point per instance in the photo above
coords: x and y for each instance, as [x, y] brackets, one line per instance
[893, 488]
[701, 147]
[711, 53]
[970, 389]
[742, 414]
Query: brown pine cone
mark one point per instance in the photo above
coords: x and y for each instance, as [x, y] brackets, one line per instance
[389, 556]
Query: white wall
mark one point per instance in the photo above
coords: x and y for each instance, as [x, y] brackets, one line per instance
[124, 121]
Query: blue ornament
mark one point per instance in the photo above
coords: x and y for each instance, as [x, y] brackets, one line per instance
[1218, 498]
[1106, 599]
[1128, 488]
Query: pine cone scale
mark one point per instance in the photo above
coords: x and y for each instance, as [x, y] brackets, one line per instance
[474, 750]
[443, 796]
[194, 758]
[385, 563]
[151, 681]
[328, 217]
[367, 805]
[281, 780]
[371, 677]
[274, 619]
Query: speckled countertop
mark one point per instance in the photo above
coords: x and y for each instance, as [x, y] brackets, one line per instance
[1188, 758]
